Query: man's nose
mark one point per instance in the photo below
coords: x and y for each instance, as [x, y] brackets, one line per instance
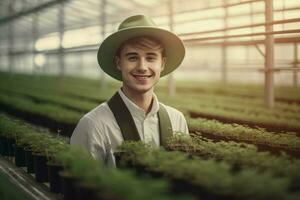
[142, 65]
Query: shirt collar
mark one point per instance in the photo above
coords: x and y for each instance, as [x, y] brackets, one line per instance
[137, 111]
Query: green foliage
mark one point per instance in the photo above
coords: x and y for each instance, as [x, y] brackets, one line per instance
[32, 138]
[239, 132]
[111, 182]
[55, 113]
[261, 175]
[238, 154]
[214, 177]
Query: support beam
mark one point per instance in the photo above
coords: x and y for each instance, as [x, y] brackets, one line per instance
[171, 81]
[269, 60]
[283, 40]
[248, 49]
[103, 32]
[260, 51]
[295, 65]
[224, 47]
[41, 7]
[61, 28]
[35, 35]
[244, 35]
[11, 41]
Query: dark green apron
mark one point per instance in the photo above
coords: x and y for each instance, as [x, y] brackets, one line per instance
[127, 125]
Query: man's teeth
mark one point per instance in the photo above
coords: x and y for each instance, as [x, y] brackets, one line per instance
[143, 76]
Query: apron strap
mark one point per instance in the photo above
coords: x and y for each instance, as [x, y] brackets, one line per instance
[123, 118]
[165, 127]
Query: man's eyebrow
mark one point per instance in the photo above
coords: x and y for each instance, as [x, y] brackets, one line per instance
[134, 54]
[131, 54]
[152, 54]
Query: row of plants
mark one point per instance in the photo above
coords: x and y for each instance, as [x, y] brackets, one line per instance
[273, 120]
[234, 104]
[253, 103]
[198, 86]
[184, 88]
[278, 124]
[251, 91]
[86, 106]
[216, 130]
[238, 155]
[206, 101]
[44, 143]
[47, 80]
[57, 113]
[210, 128]
[269, 122]
[93, 86]
[73, 172]
[31, 148]
[42, 96]
[67, 86]
[204, 178]
[240, 105]
[51, 116]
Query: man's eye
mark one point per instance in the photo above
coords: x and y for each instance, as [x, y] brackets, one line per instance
[151, 58]
[132, 58]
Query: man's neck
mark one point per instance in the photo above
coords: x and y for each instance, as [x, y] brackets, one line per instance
[142, 100]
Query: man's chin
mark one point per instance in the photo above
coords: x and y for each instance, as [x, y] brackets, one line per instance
[144, 90]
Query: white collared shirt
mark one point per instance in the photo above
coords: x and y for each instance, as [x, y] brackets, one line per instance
[99, 133]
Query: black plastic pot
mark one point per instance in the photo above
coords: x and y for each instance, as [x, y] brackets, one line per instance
[54, 178]
[9, 145]
[29, 161]
[179, 186]
[68, 185]
[19, 156]
[118, 157]
[183, 187]
[3, 150]
[120, 162]
[86, 191]
[40, 167]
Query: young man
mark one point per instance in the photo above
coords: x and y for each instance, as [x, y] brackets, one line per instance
[138, 54]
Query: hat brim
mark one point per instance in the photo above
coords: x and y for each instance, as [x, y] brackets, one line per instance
[173, 45]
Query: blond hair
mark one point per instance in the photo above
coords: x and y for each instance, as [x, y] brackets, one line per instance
[143, 42]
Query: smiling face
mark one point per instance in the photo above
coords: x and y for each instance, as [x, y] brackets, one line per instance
[140, 66]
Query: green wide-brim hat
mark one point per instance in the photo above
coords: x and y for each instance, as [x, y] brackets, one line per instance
[135, 26]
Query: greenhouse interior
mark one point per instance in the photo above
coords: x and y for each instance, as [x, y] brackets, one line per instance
[149, 99]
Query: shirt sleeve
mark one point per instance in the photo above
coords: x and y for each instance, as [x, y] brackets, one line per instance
[89, 136]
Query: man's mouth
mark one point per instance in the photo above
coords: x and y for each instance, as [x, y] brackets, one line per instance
[141, 76]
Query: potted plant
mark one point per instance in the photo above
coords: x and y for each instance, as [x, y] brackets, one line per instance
[68, 179]
[22, 142]
[54, 165]
[39, 156]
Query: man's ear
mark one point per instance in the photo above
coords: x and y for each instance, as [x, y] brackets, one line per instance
[117, 61]
[163, 63]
